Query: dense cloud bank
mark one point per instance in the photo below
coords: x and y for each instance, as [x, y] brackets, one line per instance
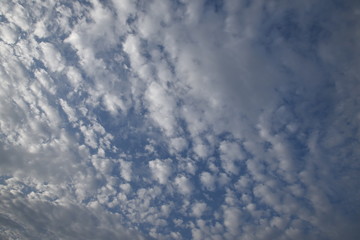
[179, 119]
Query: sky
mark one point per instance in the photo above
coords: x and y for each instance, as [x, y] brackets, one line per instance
[180, 119]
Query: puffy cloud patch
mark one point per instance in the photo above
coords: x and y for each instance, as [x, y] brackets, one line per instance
[161, 106]
[161, 170]
[208, 180]
[184, 185]
[28, 219]
[125, 170]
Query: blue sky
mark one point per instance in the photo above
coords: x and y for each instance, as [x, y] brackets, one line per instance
[180, 119]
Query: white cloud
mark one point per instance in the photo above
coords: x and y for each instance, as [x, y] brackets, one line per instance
[230, 153]
[90, 136]
[40, 30]
[8, 33]
[70, 112]
[201, 150]
[161, 107]
[18, 15]
[208, 180]
[178, 144]
[24, 218]
[133, 49]
[232, 220]
[198, 209]
[184, 185]
[161, 170]
[124, 8]
[103, 165]
[46, 81]
[113, 104]
[268, 195]
[74, 77]
[52, 57]
[125, 187]
[243, 183]
[125, 170]
[258, 115]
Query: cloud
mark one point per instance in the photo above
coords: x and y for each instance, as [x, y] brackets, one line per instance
[161, 105]
[161, 170]
[203, 119]
[178, 144]
[198, 209]
[232, 220]
[230, 153]
[71, 114]
[53, 59]
[184, 185]
[113, 104]
[208, 180]
[125, 170]
[31, 219]
[9, 34]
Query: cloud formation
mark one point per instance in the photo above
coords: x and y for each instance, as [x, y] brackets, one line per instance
[179, 119]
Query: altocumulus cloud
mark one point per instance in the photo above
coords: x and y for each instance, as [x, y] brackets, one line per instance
[180, 119]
